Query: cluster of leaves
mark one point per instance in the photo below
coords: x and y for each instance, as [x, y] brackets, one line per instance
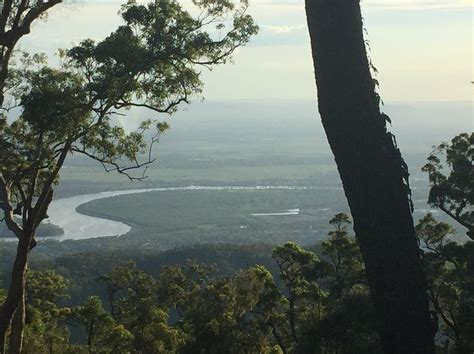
[313, 305]
[449, 267]
[454, 193]
[46, 331]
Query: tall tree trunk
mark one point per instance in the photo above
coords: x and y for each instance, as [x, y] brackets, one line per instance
[373, 174]
[15, 343]
[15, 290]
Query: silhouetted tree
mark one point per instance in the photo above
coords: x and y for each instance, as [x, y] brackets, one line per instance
[299, 270]
[450, 270]
[454, 193]
[373, 173]
[346, 266]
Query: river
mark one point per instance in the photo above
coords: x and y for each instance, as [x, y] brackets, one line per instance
[76, 226]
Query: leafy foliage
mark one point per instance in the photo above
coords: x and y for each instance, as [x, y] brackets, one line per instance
[102, 333]
[449, 268]
[192, 307]
[454, 193]
[310, 304]
[46, 329]
[346, 264]
[131, 295]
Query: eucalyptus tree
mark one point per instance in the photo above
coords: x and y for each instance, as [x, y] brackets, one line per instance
[450, 270]
[153, 61]
[103, 335]
[222, 314]
[46, 329]
[453, 193]
[373, 173]
[299, 270]
[450, 264]
[346, 267]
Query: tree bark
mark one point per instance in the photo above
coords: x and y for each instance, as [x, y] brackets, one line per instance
[373, 174]
[15, 290]
[15, 344]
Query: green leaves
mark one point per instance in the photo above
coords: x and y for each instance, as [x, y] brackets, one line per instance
[132, 296]
[156, 55]
[104, 335]
[453, 193]
[221, 313]
[195, 308]
[45, 319]
[345, 266]
[449, 268]
[434, 234]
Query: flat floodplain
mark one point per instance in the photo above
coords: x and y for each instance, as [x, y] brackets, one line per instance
[224, 215]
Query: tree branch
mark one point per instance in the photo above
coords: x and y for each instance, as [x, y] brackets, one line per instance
[7, 207]
[455, 217]
[10, 37]
[168, 109]
[7, 6]
[116, 167]
[38, 212]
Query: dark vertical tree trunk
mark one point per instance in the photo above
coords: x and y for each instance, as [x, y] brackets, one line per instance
[15, 344]
[15, 290]
[373, 173]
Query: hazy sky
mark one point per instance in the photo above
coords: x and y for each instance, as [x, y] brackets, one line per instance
[422, 48]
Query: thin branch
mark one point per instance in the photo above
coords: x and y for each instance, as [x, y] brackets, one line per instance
[115, 166]
[168, 109]
[457, 218]
[10, 37]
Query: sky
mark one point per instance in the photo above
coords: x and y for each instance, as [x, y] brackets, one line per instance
[421, 48]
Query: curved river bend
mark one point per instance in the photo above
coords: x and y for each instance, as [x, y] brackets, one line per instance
[76, 226]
